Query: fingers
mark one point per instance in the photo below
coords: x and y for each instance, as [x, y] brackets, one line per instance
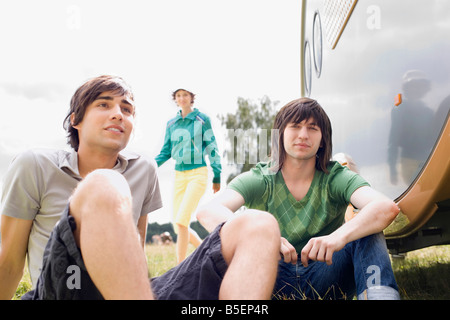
[305, 254]
[288, 252]
[318, 249]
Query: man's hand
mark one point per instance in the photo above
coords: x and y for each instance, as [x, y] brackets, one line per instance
[321, 249]
[288, 252]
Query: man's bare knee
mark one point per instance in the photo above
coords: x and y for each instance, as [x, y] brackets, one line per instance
[254, 228]
[248, 240]
[260, 223]
[101, 192]
[106, 181]
[102, 184]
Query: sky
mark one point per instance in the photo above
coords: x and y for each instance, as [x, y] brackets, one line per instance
[220, 50]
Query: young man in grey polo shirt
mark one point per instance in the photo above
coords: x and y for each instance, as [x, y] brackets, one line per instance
[97, 195]
[39, 183]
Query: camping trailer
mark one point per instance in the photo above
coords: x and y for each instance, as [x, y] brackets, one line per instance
[381, 70]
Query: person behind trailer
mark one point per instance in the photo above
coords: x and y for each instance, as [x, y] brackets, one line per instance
[411, 137]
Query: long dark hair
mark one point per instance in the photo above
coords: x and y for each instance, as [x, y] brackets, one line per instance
[295, 112]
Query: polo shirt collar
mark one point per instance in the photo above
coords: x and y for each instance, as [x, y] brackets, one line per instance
[124, 159]
[70, 162]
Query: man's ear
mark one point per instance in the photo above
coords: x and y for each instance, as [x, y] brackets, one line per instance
[72, 120]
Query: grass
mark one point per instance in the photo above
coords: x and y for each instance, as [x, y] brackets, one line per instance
[24, 285]
[162, 258]
[423, 275]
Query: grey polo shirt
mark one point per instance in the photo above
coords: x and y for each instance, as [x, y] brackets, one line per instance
[39, 183]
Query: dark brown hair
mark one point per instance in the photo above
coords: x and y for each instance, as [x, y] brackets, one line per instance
[85, 95]
[295, 112]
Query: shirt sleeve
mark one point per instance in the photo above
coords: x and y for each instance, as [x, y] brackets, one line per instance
[153, 199]
[250, 186]
[345, 182]
[20, 189]
[166, 150]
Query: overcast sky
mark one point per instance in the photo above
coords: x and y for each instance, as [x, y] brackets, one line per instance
[221, 50]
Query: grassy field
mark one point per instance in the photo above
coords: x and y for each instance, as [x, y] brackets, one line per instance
[423, 275]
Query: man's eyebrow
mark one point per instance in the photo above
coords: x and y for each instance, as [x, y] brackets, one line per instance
[306, 122]
[112, 98]
[311, 122]
[104, 98]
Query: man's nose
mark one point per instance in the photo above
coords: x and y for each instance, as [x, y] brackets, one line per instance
[117, 113]
[303, 132]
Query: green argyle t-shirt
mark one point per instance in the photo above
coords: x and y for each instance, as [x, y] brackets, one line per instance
[319, 213]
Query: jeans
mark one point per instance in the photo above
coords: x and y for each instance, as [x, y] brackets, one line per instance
[362, 264]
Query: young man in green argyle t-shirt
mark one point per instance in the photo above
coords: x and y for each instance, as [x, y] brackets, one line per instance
[308, 195]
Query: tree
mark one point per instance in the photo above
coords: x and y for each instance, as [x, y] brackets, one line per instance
[249, 133]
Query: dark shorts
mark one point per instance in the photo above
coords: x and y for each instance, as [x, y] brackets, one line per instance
[198, 277]
[64, 275]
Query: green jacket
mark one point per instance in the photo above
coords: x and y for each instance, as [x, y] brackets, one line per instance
[188, 141]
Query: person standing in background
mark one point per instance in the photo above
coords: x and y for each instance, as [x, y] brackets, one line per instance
[189, 138]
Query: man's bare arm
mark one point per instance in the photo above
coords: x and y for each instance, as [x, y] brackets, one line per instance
[220, 209]
[15, 233]
[377, 212]
[142, 229]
